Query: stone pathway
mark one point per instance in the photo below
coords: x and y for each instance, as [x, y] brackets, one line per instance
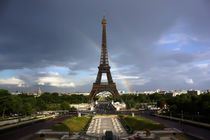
[100, 124]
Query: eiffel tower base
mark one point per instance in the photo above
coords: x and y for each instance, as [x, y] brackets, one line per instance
[100, 87]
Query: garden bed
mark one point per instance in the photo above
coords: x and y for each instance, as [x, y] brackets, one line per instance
[139, 123]
[73, 124]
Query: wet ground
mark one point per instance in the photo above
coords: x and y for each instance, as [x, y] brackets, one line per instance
[26, 132]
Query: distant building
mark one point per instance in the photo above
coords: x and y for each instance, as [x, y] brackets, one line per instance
[160, 91]
[194, 92]
[207, 91]
[82, 106]
[80, 93]
[31, 93]
[16, 93]
[121, 92]
[170, 94]
[174, 93]
[39, 92]
[148, 92]
[119, 106]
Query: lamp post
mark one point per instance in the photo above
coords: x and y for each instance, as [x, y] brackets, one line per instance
[182, 119]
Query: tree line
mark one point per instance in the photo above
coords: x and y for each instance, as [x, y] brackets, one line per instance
[24, 104]
[197, 106]
[28, 104]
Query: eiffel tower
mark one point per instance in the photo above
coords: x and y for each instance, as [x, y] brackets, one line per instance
[104, 67]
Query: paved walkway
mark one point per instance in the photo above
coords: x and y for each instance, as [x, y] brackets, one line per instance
[100, 124]
[186, 128]
[24, 132]
[25, 122]
[184, 120]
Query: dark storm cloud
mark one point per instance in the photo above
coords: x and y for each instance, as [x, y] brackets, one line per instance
[37, 33]
[34, 34]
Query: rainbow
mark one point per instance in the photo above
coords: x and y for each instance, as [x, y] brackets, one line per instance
[124, 82]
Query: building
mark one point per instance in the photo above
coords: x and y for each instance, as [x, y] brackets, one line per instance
[82, 106]
[16, 93]
[39, 92]
[174, 93]
[80, 93]
[194, 92]
[170, 94]
[160, 91]
[119, 106]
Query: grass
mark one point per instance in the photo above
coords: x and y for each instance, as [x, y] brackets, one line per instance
[73, 124]
[60, 127]
[139, 123]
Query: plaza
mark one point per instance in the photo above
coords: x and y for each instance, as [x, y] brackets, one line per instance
[100, 124]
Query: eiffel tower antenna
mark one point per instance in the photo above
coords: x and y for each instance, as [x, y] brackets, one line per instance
[104, 13]
[103, 67]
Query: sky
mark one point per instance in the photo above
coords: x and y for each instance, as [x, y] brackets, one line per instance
[55, 45]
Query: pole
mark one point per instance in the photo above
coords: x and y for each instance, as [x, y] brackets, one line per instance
[182, 120]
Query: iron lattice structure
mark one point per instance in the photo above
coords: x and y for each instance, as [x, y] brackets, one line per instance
[104, 67]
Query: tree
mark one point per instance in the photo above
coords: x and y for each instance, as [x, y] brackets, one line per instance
[5, 102]
[46, 97]
[65, 106]
[55, 97]
[41, 105]
[138, 105]
[130, 104]
[17, 105]
[72, 108]
[4, 92]
[27, 109]
[173, 108]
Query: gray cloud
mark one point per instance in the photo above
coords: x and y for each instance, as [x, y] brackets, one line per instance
[38, 34]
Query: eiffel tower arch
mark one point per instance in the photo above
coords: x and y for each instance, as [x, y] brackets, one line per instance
[104, 67]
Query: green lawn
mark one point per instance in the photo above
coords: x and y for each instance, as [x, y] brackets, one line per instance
[74, 124]
[60, 127]
[139, 123]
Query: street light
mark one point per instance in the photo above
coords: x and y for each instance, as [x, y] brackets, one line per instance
[182, 119]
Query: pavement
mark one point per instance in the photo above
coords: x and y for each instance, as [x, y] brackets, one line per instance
[27, 121]
[184, 120]
[199, 132]
[27, 132]
[100, 124]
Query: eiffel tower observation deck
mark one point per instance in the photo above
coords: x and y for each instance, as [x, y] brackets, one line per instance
[104, 67]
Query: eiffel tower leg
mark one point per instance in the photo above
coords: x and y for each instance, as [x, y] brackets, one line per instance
[115, 92]
[91, 96]
[109, 77]
[98, 79]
